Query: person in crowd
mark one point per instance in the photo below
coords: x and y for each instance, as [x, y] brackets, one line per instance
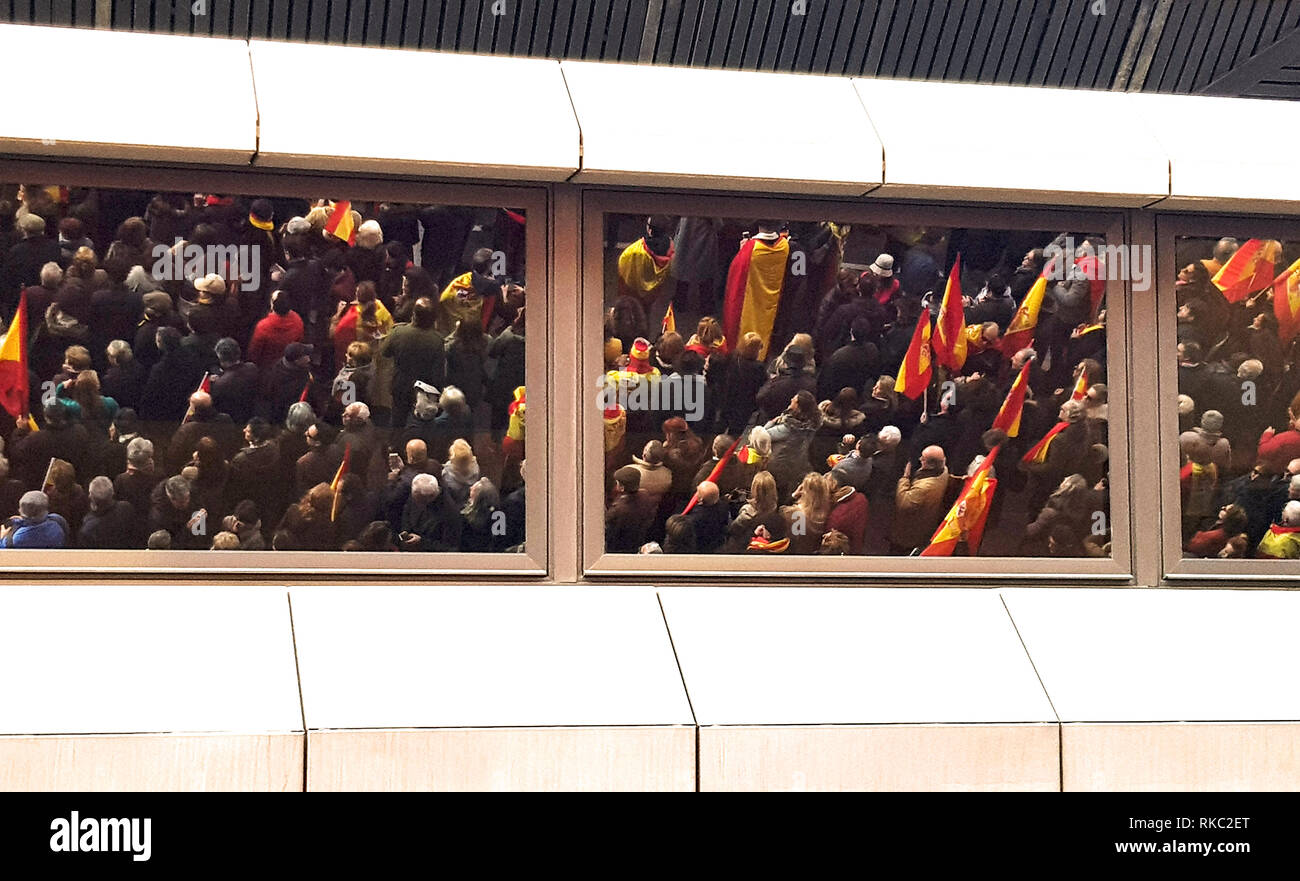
[109, 524]
[430, 522]
[35, 527]
[919, 501]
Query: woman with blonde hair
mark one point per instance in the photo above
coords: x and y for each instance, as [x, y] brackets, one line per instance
[760, 511]
[460, 472]
[806, 519]
[745, 376]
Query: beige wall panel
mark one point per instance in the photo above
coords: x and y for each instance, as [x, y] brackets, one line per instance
[1026, 166]
[152, 763]
[209, 116]
[302, 127]
[1249, 171]
[689, 147]
[1183, 757]
[979, 758]
[651, 758]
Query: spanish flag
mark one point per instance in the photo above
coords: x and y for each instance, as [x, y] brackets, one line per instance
[1008, 418]
[14, 386]
[968, 514]
[1080, 386]
[950, 329]
[1020, 332]
[340, 224]
[204, 386]
[1286, 302]
[337, 483]
[641, 271]
[1248, 270]
[670, 321]
[713, 475]
[914, 372]
[1038, 452]
[754, 284]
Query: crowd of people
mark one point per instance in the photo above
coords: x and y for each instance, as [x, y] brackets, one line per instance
[1238, 409]
[799, 442]
[323, 375]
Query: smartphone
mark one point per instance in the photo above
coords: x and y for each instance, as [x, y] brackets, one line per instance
[394, 462]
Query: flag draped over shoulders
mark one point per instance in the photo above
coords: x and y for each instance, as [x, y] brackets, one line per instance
[641, 271]
[14, 385]
[754, 285]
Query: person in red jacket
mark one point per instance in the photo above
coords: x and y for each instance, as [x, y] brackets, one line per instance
[848, 513]
[274, 333]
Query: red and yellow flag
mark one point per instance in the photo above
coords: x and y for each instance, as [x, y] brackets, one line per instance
[204, 386]
[753, 293]
[713, 475]
[670, 321]
[1038, 452]
[641, 271]
[340, 224]
[950, 329]
[1286, 302]
[914, 373]
[337, 483]
[968, 514]
[1008, 418]
[1248, 270]
[1020, 332]
[1080, 386]
[14, 384]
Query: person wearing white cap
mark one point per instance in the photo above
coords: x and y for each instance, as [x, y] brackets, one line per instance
[887, 286]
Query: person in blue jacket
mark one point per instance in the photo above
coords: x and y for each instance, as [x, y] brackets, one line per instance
[35, 526]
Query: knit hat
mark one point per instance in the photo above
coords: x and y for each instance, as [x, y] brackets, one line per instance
[157, 303]
[294, 351]
[675, 425]
[1212, 421]
[613, 349]
[639, 361]
[630, 477]
[884, 266]
[795, 357]
[262, 209]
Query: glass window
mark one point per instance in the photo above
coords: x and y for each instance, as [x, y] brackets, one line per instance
[1238, 302]
[241, 372]
[783, 389]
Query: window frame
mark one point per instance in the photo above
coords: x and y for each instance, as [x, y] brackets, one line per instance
[596, 564]
[533, 563]
[1170, 228]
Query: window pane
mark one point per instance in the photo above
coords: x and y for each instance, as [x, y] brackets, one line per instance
[233, 371]
[1238, 397]
[785, 365]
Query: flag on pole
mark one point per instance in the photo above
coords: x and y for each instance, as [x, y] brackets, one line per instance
[713, 475]
[1080, 386]
[306, 388]
[1286, 303]
[1249, 269]
[337, 483]
[1008, 418]
[950, 329]
[915, 371]
[14, 384]
[1020, 332]
[340, 223]
[968, 514]
[670, 321]
[204, 386]
[1038, 452]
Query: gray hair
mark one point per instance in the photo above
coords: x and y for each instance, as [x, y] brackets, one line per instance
[51, 275]
[138, 280]
[890, 436]
[120, 351]
[35, 505]
[425, 485]
[357, 409]
[300, 416]
[177, 488]
[453, 399]
[1293, 489]
[100, 491]
[1290, 513]
[139, 451]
